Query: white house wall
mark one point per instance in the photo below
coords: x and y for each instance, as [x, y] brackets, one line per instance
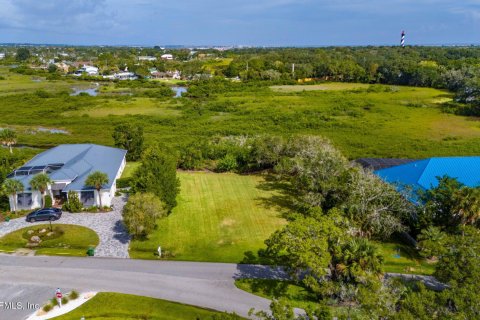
[107, 196]
[120, 170]
[36, 201]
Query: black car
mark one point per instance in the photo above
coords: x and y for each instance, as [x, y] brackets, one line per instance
[45, 214]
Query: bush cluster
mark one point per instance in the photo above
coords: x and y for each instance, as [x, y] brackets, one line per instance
[73, 204]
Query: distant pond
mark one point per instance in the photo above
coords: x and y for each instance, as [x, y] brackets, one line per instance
[179, 91]
[48, 130]
[89, 91]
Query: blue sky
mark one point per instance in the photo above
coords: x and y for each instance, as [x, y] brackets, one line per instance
[240, 22]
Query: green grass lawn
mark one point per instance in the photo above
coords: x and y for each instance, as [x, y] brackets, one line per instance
[400, 258]
[131, 106]
[297, 296]
[72, 241]
[219, 217]
[116, 306]
[130, 168]
[16, 83]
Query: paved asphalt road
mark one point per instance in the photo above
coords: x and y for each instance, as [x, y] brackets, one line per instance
[209, 285]
[17, 301]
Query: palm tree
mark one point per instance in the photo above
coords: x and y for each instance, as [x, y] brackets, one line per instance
[40, 182]
[13, 187]
[8, 138]
[97, 180]
[358, 257]
[467, 205]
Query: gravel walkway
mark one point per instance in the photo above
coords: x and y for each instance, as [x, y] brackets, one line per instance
[114, 239]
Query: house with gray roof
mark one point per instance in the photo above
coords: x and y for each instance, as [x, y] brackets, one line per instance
[68, 166]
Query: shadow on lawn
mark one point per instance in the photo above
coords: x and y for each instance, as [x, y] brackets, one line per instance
[283, 197]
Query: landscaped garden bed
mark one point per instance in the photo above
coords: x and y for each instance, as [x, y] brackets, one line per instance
[62, 239]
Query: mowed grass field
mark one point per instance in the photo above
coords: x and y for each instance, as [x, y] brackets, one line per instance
[117, 306]
[219, 217]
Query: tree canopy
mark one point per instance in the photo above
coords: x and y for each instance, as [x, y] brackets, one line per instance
[97, 180]
[130, 138]
[41, 182]
[141, 212]
[12, 187]
[157, 174]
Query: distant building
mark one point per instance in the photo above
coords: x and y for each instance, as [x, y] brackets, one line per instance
[147, 58]
[125, 75]
[382, 163]
[422, 174]
[2, 55]
[166, 75]
[62, 66]
[80, 64]
[167, 56]
[122, 75]
[89, 70]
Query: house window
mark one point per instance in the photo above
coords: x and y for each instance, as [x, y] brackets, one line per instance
[24, 199]
[87, 198]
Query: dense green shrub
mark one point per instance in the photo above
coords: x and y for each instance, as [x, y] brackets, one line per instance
[124, 182]
[48, 201]
[192, 156]
[73, 204]
[47, 308]
[129, 137]
[158, 175]
[227, 163]
[141, 212]
[74, 295]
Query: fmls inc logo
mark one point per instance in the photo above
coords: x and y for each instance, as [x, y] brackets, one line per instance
[12, 305]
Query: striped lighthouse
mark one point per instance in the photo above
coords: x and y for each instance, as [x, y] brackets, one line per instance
[402, 39]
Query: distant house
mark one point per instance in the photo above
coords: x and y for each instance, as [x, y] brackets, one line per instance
[382, 163]
[422, 174]
[166, 75]
[147, 58]
[167, 56]
[2, 55]
[80, 64]
[62, 66]
[89, 70]
[122, 75]
[68, 166]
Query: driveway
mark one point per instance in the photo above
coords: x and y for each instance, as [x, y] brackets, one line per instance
[114, 238]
